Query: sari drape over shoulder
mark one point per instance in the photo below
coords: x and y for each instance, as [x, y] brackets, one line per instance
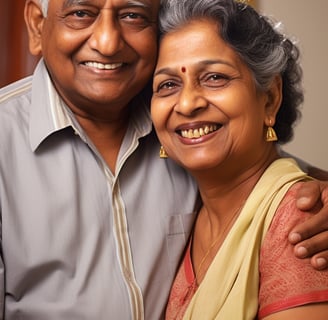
[230, 288]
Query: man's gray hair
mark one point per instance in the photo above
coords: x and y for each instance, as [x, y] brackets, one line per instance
[44, 5]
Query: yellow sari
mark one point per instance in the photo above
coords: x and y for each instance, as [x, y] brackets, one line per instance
[230, 288]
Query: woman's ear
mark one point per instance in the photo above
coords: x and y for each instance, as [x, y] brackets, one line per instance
[274, 100]
[34, 22]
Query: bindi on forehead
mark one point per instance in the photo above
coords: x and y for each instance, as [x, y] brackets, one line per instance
[183, 69]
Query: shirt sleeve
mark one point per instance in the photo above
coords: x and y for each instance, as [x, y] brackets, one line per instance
[286, 281]
[2, 278]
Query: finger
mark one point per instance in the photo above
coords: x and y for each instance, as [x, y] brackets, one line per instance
[320, 261]
[324, 193]
[317, 245]
[317, 224]
[308, 195]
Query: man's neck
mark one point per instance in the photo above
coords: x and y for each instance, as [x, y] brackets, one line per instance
[107, 136]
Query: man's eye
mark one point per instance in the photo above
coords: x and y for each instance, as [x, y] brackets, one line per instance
[132, 15]
[80, 19]
[136, 19]
[80, 14]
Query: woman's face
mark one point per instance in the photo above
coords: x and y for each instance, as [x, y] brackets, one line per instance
[205, 107]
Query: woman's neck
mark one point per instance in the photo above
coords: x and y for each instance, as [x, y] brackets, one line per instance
[223, 200]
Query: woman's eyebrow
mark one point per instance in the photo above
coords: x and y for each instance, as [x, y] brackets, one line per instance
[168, 70]
[163, 71]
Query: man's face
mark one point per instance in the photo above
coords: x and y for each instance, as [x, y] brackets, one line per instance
[100, 52]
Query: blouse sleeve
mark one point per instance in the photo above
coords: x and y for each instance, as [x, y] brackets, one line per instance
[286, 281]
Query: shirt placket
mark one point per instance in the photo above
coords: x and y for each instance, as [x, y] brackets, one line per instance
[120, 227]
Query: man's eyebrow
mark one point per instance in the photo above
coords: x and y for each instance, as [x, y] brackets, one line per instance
[69, 3]
[137, 3]
[145, 4]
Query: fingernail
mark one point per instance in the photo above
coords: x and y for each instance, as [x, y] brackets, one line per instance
[303, 201]
[302, 252]
[321, 262]
[295, 237]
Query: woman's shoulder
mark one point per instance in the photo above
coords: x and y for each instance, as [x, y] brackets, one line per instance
[286, 281]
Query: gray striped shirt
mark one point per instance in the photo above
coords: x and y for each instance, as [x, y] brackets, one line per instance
[78, 242]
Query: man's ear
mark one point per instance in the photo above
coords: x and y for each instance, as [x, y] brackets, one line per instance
[34, 22]
[274, 100]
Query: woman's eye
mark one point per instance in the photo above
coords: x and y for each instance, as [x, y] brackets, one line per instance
[216, 79]
[169, 85]
[165, 88]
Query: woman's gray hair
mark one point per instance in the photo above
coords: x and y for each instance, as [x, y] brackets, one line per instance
[44, 5]
[265, 50]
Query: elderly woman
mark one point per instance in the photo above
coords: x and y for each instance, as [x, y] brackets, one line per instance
[226, 90]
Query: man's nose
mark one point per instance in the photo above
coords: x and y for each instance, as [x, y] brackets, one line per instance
[191, 100]
[107, 37]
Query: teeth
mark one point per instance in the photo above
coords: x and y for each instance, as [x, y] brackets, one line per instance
[197, 133]
[102, 66]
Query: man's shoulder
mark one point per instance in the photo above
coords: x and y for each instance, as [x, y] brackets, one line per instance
[15, 90]
[15, 101]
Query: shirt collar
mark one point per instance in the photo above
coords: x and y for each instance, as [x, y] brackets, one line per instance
[49, 114]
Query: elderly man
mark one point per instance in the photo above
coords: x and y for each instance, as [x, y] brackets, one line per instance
[93, 222]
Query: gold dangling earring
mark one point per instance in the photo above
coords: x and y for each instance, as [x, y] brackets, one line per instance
[162, 153]
[271, 134]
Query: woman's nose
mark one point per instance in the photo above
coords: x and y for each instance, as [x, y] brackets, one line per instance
[191, 100]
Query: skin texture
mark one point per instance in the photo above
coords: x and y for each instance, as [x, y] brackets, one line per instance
[215, 89]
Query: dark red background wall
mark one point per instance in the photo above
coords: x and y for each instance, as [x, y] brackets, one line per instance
[15, 59]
